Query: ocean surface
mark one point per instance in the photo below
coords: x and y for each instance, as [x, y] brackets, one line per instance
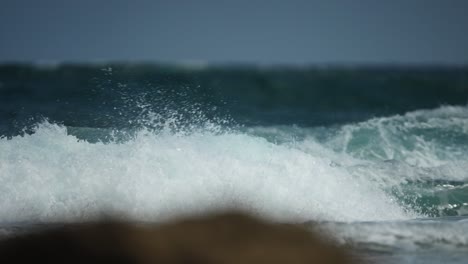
[376, 155]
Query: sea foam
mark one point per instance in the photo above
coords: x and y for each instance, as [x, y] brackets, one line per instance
[51, 175]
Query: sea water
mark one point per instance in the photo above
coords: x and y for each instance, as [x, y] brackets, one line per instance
[378, 157]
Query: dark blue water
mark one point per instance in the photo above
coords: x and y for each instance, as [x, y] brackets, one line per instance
[108, 95]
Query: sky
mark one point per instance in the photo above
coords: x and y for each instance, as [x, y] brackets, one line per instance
[239, 31]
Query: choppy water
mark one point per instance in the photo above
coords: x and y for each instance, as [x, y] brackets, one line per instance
[378, 156]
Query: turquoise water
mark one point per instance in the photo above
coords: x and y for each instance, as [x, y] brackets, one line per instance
[377, 156]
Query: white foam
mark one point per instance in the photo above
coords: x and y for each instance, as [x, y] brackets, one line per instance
[51, 175]
[402, 235]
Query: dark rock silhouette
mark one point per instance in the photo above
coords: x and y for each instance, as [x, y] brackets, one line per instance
[222, 238]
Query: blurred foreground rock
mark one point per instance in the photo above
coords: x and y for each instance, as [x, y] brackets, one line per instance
[222, 238]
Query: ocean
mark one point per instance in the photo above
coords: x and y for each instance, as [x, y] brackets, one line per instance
[375, 156]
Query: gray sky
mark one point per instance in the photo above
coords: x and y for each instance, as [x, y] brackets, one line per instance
[249, 31]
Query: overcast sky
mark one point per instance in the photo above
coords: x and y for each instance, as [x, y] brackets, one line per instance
[248, 31]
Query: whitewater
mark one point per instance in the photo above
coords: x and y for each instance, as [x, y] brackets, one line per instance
[286, 173]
